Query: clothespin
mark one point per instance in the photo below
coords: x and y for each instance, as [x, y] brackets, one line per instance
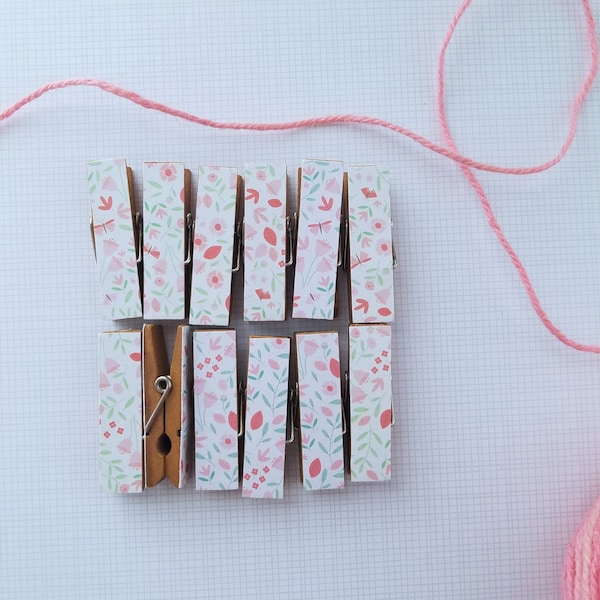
[144, 410]
[265, 417]
[370, 255]
[114, 237]
[370, 402]
[318, 235]
[166, 206]
[320, 410]
[215, 245]
[167, 407]
[217, 422]
[265, 234]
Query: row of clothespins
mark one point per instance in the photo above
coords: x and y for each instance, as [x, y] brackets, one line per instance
[194, 419]
[163, 263]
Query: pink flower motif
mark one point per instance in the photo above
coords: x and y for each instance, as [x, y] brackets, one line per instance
[109, 247]
[384, 247]
[369, 285]
[155, 304]
[322, 248]
[136, 460]
[108, 183]
[330, 388]
[371, 343]
[168, 172]
[200, 439]
[324, 266]
[217, 225]
[124, 488]
[115, 264]
[333, 185]
[111, 365]
[229, 441]
[215, 280]
[260, 175]
[308, 418]
[159, 281]
[205, 471]
[118, 388]
[309, 170]
[378, 225]
[212, 177]
[124, 447]
[199, 241]
[160, 266]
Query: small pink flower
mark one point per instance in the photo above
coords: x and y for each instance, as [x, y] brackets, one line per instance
[308, 418]
[309, 170]
[260, 175]
[199, 241]
[124, 488]
[125, 446]
[159, 281]
[217, 225]
[108, 183]
[168, 172]
[355, 332]
[369, 285]
[378, 225]
[136, 460]
[228, 441]
[215, 279]
[383, 246]
[212, 177]
[200, 439]
[329, 388]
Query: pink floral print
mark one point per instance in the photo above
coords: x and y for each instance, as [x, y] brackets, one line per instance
[266, 412]
[317, 244]
[370, 402]
[215, 409]
[320, 410]
[370, 245]
[112, 226]
[164, 240]
[264, 242]
[213, 245]
[120, 411]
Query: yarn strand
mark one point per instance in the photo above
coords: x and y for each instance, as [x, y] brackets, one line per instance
[449, 151]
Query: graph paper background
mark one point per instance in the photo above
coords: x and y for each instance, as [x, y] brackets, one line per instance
[496, 446]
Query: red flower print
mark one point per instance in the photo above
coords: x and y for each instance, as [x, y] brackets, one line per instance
[217, 225]
[334, 367]
[315, 468]
[386, 367]
[168, 172]
[107, 434]
[105, 203]
[120, 431]
[383, 247]
[368, 192]
[112, 424]
[385, 418]
[374, 370]
[215, 279]
[212, 252]
[330, 389]
[232, 419]
[326, 204]
[262, 478]
[384, 353]
[255, 486]
[256, 421]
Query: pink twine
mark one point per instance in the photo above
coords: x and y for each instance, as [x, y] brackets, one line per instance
[450, 151]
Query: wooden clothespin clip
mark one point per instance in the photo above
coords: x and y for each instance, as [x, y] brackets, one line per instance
[216, 409]
[216, 248]
[144, 408]
[115, 237]
[168, 426]
[320, 410]
[370, 250]
[265, 234]
[370, 402]
[265, 417]
[166, 206]
[317, 246]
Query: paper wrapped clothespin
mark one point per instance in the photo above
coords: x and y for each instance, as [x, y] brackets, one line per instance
[120, 411]
[114, 235]
[166, 206]
[370, 402]
[216, 409]
[266, 417]
[317, 245]
[370, 255]
[320, 410]
[264, 242]
[214, 245]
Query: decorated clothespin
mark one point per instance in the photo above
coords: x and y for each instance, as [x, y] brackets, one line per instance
[266, 417]
[317, 246]
[115, 237]
[215, 245]
[319, 398]
[216, 409]
[144, 410]
[370, 256]
[265, 234]
[370, 402]
[166, 209]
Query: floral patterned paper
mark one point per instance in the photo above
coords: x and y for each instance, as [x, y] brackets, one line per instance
[164, 241]
[317, 246]
[120, 411]
[370, 402]
[114, 238]
[320, 414]
[370, 243]
[213, 245]
[266, 412]
[216, 414]
[264, 242]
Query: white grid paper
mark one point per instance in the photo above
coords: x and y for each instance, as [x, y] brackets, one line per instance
[496, 445]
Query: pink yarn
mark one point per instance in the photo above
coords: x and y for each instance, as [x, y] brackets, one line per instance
[450, 151]
[581, 570]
